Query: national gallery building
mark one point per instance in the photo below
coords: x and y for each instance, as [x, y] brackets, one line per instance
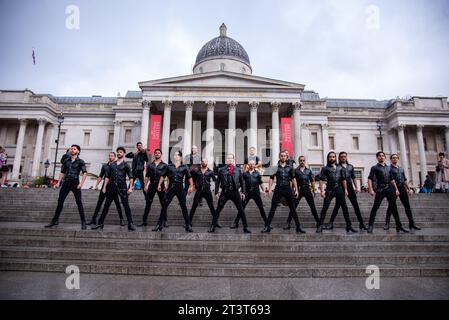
[223, 108]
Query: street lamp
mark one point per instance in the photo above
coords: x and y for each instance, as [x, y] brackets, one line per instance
[379, 127]
[46, 165]
[60, 122]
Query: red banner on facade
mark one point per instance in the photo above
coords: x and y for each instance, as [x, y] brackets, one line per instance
[154, 139]
[287, 133]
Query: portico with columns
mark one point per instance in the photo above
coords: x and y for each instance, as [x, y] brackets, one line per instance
[222, 107]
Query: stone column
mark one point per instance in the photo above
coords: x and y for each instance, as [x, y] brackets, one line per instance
[232, 106]
[19, 149]
[254, 105]
[50, 140]
[38, 148]
[275, 141]
[325, 141]
[297, 130]
[187, 148]
[393, 142]
[446, 134]
[210, 134]
[402, 148]
[422, 152]
[305, 137]
[117, 129]
[166, 130]
[144, 129]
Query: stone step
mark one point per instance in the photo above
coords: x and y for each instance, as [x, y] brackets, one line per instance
[211, 258]
[215, 246]
[221, 270]
[72, 231]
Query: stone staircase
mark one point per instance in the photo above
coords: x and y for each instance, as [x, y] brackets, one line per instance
[27, 246]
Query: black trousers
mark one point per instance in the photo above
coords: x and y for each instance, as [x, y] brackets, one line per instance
[100, 201]
[152, 191]
[307, 194]
[234, 196]
[253, 195]
[200, 194]
[406, 202]
[69, 185]
[391, 197]
[138, 174]
[280, 192]
[112, 192]
[177, 191]
[352, 196]
[339, 195]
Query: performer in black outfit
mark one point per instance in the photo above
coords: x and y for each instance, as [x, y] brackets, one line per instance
[230, 180]
[352, 193]
[304, 181]
[116, 179]
[336, 187]
[202, 179]
[385, 188]
[284, 179]
[70, 172]
[176, 172]
[193, 161]
[155, 170]
[398, 175]
[102, 196]
[252, 182]
[138, 165]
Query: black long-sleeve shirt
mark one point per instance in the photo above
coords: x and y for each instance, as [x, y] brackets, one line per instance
[252, 181]
[72, 169]
[203, 180]
[333, 178]
[139, 160]
[284, 175]
[382, 175]
[304, 178]
[155, 172]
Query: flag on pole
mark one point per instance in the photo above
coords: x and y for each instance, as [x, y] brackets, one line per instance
[34, 57]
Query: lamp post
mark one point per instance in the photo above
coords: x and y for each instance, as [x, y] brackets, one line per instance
[379, 127]
[60, 122]
[46, 165]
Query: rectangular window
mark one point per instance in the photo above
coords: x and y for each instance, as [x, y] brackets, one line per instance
[86, 138]
[358, 174]
[314, 139]
[331, 142]
[110, 138]
[128, 133]
[355, 143]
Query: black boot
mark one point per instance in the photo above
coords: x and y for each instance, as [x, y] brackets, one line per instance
[211, 229]
[401, 229]
[387, 226]
[350, 229]
[246, 230]
[189, 228]
[329, 226]
[83, 225]
[122, 222]
[267, 229]
[165, 224]
[370, 229]
[235, 225]
[362, 226]
[319, 229]
[288, 226]
[413, 226]
[158, 227]
[92, 222]
[143, 224]
[299, 230]
[131, 227]
[98, 227]
[52, 223]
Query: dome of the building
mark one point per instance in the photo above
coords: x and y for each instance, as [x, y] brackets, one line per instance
[223, 48]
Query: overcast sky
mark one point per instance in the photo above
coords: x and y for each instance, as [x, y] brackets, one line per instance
[341, 49]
